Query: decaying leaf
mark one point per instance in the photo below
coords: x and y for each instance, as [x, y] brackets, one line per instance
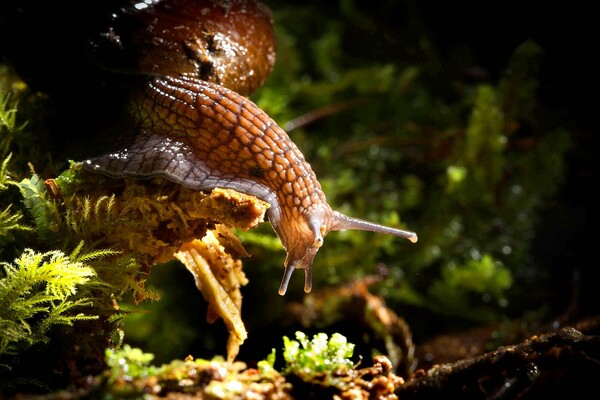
[219, 277]
[157, 221]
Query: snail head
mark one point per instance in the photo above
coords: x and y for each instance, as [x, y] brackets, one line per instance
[304, 237]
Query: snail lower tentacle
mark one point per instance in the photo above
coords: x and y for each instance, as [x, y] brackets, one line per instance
[204, 135]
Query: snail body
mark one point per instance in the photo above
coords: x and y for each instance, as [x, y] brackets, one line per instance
[203, 135]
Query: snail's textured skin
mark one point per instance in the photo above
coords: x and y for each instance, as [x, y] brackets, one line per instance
[203, 135]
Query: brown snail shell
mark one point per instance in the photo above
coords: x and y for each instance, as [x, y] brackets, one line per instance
[231, 43]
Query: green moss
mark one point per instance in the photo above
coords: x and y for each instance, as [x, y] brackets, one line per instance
[128, 363]
[321, 360]
[57, 288]
[267, 366]
[318, 356]
[40, 290]
[11, 218]
[9, 126]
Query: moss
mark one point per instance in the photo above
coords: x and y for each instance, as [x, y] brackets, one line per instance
[307, 357]
[319, 362]
[40, 290]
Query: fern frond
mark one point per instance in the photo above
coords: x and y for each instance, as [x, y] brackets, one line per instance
[12, 332]
[8, 120]
[88, 217]
[110, 203]
[9, 222]
[87, 210]
[53, 269]
[125, 274]
[95, 254]
[76, 250]
[59, 315]
[64, 275]
[4, 176]
[8, 113]
[30, 303]
[44, 211]
[40, 287]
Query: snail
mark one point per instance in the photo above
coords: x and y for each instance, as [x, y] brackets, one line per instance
[195, 126]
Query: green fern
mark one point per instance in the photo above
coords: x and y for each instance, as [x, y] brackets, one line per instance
[93, 217]
[90, 256]
[8, 111]
[40, 290]
[9, 218]
[88, 222]
[8, 120]
[44, 212]
[10, 222]
[4, 174]
[125, 275]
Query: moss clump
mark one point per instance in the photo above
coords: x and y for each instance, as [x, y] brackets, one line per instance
[306, 357]
[131, 374]
[40, 290]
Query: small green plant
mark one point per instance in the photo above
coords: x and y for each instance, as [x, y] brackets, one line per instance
[89, 223]
[9, 223]
[319, 355]
[8, 120]
[321, 360]
[10, 218]
[266, 367]
[129, 363]
[4, 174]
[40, 290]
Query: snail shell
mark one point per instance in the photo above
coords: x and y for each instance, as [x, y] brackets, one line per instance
[231, 43]
[204, 134]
